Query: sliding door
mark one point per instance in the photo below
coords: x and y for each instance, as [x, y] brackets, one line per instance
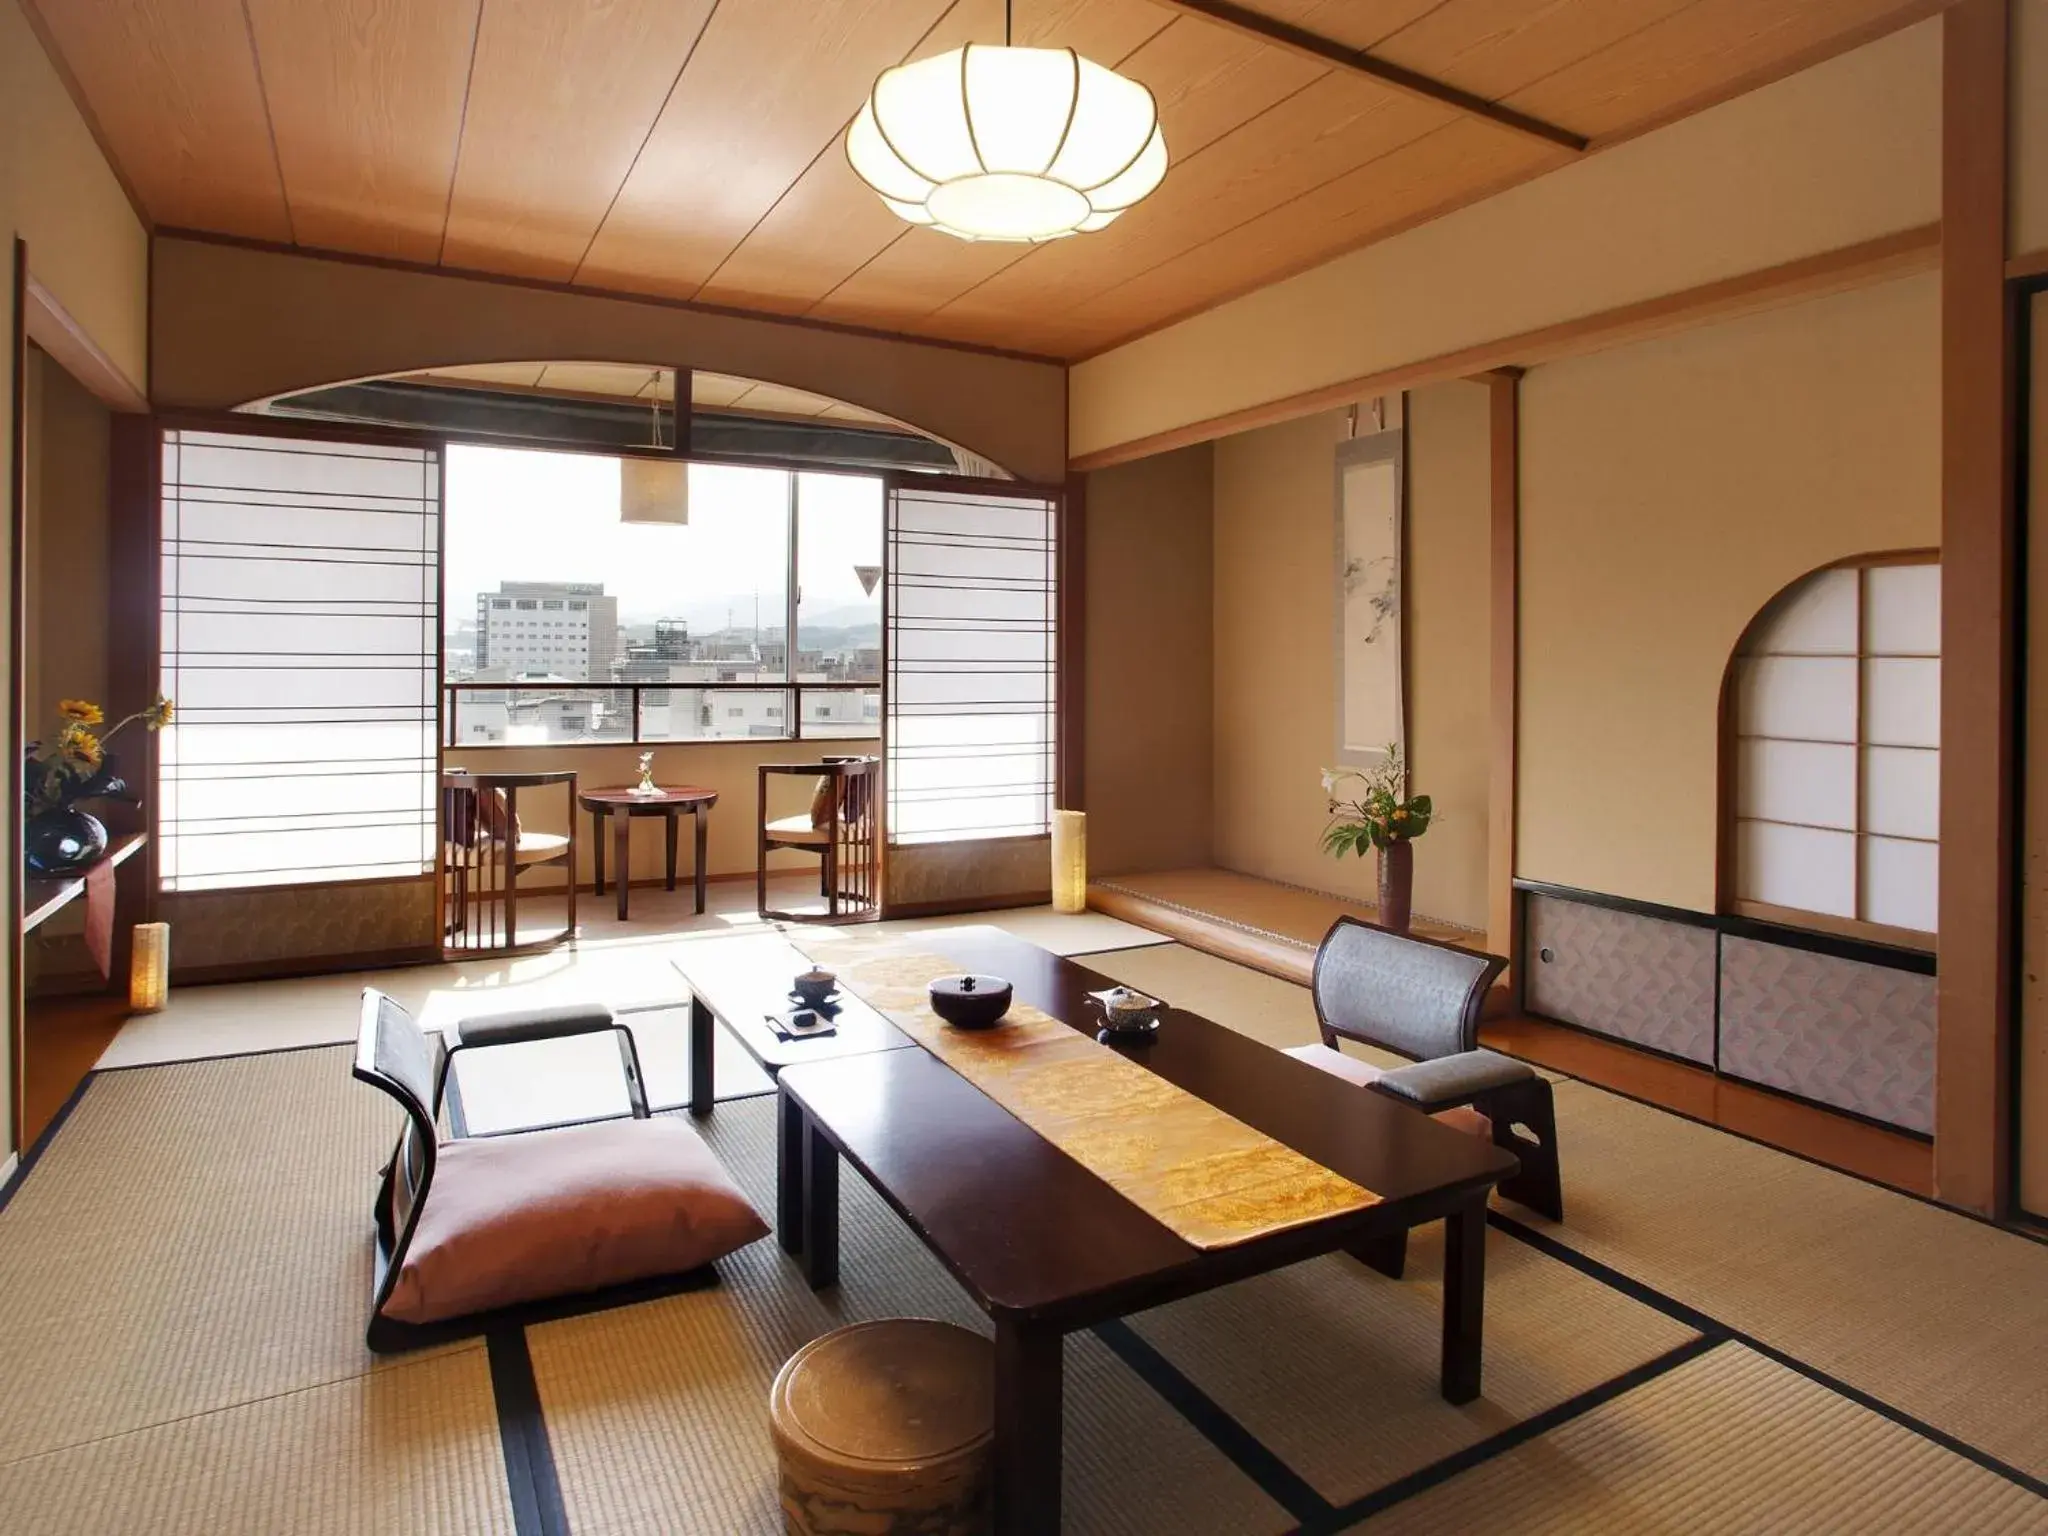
[973, 706]
[300, 608]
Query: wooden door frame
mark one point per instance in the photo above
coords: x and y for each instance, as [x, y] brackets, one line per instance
[17, 517]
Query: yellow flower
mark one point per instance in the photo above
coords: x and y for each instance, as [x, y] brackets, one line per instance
[83, 711]
[158, 715]
[1401, 815]
[80, 747]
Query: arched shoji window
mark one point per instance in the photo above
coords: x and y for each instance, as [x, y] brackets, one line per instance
[1835, 706]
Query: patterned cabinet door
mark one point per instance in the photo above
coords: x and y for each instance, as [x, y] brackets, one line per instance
[1860, 1037]
[1640, 979]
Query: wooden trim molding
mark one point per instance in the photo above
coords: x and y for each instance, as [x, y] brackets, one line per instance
[1317, 49]
[1851, 266]
[135, 608]
[1973, 1113]
[1070, 789]
[1503, 905]
[50, 326]
[17, 583]
[2029, 264]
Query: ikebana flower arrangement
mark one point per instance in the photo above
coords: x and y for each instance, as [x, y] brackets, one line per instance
[71, 766]
[1371, 808]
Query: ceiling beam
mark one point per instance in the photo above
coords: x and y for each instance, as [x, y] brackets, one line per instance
[1324, 50]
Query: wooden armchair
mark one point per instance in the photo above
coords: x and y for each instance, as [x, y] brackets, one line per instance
[485, 850]
[842, 827]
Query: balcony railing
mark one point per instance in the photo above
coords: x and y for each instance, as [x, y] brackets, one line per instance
[479, 714]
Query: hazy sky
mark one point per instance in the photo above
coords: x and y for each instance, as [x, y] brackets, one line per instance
[522, 515]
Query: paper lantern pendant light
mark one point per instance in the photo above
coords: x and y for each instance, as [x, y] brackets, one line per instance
[1002, 143]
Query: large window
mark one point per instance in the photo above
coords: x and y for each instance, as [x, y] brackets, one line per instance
[298, 644]
[567, 621]
[1837, 709]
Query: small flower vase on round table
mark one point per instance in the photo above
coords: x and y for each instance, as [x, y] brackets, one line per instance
[1397, 884]
[63, 841]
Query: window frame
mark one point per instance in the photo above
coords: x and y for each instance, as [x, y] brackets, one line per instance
[790, 712]
[1728, 874]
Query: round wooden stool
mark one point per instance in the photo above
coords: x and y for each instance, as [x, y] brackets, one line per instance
[883, 1429]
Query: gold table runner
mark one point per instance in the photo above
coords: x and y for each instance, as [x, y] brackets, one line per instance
[1208, 1177]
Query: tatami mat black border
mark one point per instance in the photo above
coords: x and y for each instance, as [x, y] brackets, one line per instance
[188, 1061]
[1437, 1472]
[1250, 1455]
[1692, 1317]
[536, 1489]
[536, 1493]
[34, 1154]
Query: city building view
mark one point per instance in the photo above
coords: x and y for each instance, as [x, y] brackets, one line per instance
[683, 618]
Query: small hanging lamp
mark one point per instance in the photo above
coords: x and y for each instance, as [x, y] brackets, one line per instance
[1006, 143]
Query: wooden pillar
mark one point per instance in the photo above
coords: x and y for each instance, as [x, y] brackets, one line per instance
[1973, 1051]
[1071, 648]
[17, 586]
[1503, 911]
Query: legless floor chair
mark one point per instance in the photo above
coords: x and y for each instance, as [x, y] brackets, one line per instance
[1422, 999]
[474, 1232]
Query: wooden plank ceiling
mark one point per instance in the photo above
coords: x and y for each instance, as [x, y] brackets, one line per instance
[691, 148]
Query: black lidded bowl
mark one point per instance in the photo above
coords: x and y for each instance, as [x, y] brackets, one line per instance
[970, 1002]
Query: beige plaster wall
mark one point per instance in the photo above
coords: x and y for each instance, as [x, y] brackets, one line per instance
[1669, 490]
[88, 248]
[1450, 516]
[234, 324]
[1275, 680]
[2028, 171]
[1843, 152]
[1150, 682]
[65, 618]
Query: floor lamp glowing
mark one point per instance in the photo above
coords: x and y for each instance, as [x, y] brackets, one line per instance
[149, 967]
[1069, 861]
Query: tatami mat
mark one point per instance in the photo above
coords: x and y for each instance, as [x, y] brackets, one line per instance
[1335, 1368]
[411, 1449]
[626, 965]
[658, 1413]
[1939, 1316]
[1729, 1443]
[1264, 1007]
[194, 1237]
[545, 1082]
[1064, 933]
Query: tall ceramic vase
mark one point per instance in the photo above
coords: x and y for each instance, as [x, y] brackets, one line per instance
[1397, 884]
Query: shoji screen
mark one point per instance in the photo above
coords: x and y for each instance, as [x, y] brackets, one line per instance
[1838, 764]
[300, 644]
[972, 645]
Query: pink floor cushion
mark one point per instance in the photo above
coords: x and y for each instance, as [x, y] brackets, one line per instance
[1365, 1074]
[511, 1219]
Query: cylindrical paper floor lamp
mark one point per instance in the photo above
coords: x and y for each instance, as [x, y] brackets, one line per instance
[1069, 861]
[149, 967]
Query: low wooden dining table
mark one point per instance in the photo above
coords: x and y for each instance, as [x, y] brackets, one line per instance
[1042, 1245]
[622, 803]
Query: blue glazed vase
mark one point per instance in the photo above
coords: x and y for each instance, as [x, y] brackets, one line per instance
[64, 841]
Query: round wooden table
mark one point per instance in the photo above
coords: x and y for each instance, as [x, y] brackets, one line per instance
[622, 804]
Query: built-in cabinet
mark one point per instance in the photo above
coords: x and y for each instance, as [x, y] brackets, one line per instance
[1835, 1021]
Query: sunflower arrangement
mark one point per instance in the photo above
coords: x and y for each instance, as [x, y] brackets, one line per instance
[72, 765]
[1371, 807]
